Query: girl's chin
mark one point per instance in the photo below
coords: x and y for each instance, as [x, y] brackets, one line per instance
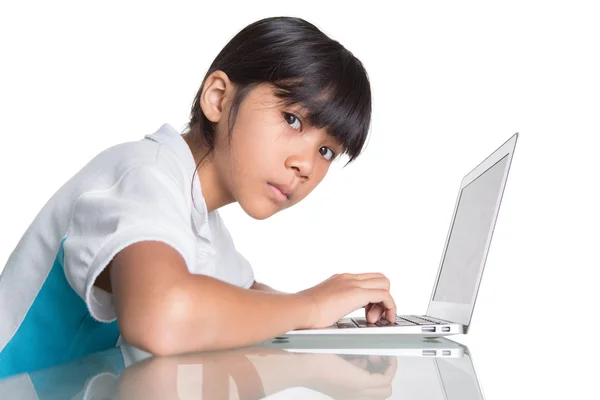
[259, 209]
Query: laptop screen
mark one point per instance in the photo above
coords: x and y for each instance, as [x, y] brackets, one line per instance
[473, 220]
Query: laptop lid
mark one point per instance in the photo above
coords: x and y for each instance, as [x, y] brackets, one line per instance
[468, 240]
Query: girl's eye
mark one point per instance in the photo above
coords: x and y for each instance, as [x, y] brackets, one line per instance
[327, 153]
[291, 120]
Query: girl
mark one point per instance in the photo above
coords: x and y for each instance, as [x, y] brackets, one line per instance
[135, 238]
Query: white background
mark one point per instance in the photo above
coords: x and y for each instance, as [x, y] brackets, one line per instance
[451, 81]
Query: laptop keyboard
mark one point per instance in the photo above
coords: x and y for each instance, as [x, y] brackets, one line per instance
[404, 320]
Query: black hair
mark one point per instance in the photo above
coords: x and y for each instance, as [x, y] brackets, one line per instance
[306, 68]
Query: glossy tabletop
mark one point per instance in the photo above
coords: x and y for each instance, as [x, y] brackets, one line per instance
[289, 367]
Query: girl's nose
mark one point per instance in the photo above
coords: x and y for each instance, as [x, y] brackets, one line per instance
[302, 165]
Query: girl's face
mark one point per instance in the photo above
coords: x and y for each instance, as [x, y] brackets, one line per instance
[274, 159]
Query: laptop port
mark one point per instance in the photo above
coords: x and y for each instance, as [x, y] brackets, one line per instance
[446, 352]
[445, 329]
[429, 352]
[428, 329]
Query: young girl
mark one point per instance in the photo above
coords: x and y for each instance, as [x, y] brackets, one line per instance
[135, 237]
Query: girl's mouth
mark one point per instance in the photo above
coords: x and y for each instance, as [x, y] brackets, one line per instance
[280, 194]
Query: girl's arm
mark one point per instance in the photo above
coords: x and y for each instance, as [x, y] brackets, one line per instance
[164, 309]
[264, 288]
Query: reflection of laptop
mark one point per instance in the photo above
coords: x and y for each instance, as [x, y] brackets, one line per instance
[458, 379]
[463, 259]
[437, 368]
[388, 345]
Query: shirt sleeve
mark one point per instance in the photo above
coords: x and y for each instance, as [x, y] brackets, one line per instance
[144, 204]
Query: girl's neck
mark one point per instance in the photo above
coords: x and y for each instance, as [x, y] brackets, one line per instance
[214, 190]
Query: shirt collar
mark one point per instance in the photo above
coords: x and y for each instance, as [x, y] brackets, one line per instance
[170, 138]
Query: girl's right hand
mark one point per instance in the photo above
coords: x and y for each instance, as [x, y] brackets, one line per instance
[341, 294]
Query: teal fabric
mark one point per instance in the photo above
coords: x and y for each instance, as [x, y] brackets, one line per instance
[57, 328]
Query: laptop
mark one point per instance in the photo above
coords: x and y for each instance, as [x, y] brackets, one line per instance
[463, 259]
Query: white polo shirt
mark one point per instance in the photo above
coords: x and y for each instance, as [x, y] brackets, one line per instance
[50, 312]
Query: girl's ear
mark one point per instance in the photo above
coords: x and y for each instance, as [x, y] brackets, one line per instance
[216, 95]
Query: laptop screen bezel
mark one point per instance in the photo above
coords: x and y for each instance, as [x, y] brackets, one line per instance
[462, 313]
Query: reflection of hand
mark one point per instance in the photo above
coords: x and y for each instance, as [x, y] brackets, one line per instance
[352, 377]
[257, 371]
[205, 375]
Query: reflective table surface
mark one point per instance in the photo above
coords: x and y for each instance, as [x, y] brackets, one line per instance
[288, 367]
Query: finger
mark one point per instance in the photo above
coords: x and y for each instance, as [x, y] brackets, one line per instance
[384, 297]
[374, 283]
[367, 275]
[376, 310]
[368, 310]
[390, 314]
[375, 359]
[374, 313]
[378, 363]
[359, 362]
[392, 368]
[363, 379]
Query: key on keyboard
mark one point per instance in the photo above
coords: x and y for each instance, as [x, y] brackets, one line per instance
[435, 320]
[426, 319]
[383, 322]
[402, 322]
[361, 322]
[346, 323]
[418, 320]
